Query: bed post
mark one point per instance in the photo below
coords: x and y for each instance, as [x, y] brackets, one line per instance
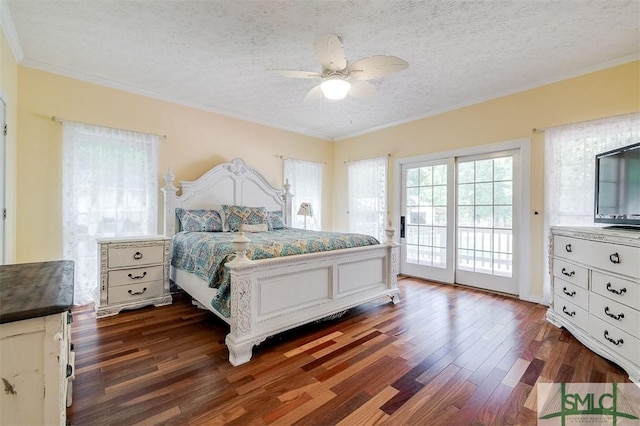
[169, 204]
[393, 267]
[238, 341]
[286, 197]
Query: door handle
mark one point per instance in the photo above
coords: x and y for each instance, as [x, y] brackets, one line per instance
[401, 226]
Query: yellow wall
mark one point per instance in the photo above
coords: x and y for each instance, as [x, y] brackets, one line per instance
[196, 141]
[600, 94]
[9, 93]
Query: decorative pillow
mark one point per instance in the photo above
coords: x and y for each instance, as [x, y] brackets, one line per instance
[275, 220]
[199, 220]
[261, 227]
[235, 215]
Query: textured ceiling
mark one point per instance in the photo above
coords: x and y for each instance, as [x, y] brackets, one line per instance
[214, 54]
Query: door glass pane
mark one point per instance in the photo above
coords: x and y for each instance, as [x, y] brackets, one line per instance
[485, 216]
[426, 216]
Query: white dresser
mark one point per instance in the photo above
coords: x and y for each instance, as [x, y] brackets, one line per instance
[133, 272]
[595, 277]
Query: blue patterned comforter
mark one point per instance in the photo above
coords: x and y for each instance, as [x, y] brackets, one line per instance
[205, 253]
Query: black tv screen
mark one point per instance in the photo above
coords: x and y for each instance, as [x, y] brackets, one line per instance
[617, 191]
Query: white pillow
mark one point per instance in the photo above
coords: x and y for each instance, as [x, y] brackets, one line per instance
[261, 227]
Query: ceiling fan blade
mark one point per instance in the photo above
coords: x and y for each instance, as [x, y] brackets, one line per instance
[375, 67]
[314, 94]
[330, 52]
[362, 90]
[296, 73]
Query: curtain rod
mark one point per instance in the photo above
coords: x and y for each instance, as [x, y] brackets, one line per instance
[61, 121]
[369, 158]
[542, 129]
[282, 157]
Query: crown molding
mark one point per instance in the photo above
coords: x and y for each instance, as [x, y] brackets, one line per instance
[9, 29]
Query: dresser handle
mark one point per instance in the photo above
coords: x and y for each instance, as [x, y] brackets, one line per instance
[569, 274]
[137, 256]
[614, 258]
[568, 248]
[615, 342]
[137, 277]
[136, 293]
[615, 317]
[568, 293]
[610, 288]
[564, 309]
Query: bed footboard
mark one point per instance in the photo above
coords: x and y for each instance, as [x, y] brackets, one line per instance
[273, 295]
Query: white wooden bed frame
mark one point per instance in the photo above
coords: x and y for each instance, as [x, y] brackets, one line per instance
[273, 295]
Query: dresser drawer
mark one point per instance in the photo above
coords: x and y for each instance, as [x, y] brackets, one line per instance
[133, 256]
[618, 289]
[572, 312]
[569, 272]
[135, 276]
[617, 340]
[618, 258]
[617, 314]
[135, 291]
[571, 292]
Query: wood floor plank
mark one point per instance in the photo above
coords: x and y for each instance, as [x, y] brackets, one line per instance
[444, 355]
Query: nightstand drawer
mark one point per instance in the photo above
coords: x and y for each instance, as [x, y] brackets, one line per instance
[135, 276]
[135, 291]
[133, 256]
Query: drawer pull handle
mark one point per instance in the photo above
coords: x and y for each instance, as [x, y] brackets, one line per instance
[614, 258]
[136, 293]
[568, 293]
[610, 288]
[137, 277]
[569, 274]
[615, 342]
[564, 309]
[137, 255]
[615, 317]
[568, 248]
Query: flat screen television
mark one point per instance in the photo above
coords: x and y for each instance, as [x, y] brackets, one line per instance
[617, 191]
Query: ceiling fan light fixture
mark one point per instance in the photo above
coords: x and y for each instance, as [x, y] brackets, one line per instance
[335, 89]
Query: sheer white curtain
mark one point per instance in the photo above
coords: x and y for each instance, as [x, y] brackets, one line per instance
[368, 196]
[570, 165]
[305, 178]
[109, 189]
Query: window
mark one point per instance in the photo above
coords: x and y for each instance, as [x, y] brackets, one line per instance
[305, 178]
[109, 189]
[368, 197]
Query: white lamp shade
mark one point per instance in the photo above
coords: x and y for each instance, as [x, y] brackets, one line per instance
[335, 89]
[305, 210]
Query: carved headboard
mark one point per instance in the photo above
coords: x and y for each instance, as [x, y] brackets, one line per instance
[233, 183]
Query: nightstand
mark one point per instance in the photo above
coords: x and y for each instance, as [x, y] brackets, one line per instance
[133, 272]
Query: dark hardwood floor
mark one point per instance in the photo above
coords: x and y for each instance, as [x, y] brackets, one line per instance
[444, 356]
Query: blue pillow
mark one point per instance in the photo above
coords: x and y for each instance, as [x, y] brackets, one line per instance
[275, 220]
[199, 220]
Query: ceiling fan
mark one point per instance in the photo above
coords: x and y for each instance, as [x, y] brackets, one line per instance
[341, 78]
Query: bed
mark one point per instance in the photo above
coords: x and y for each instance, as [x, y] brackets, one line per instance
[269, 295]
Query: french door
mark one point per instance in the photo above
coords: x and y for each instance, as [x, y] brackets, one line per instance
[457, 220]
